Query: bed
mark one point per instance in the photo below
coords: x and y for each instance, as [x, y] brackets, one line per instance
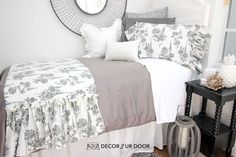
[148, 77]
[116, 114]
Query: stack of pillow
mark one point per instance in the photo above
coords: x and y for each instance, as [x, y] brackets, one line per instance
[148, 35]
[155, 17]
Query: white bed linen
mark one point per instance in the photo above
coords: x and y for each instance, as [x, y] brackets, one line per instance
[168, 87]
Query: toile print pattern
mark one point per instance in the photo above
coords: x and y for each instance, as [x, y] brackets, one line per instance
[183, 44]
[48, 105]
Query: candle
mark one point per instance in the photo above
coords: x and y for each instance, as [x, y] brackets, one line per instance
[182, 140]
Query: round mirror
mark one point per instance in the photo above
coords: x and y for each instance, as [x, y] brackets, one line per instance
[91, 6]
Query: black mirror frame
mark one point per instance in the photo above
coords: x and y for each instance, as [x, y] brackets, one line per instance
[91, 13]
[121, 14]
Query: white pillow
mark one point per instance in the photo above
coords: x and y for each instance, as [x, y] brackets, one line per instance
[96, 38]
[124, 51]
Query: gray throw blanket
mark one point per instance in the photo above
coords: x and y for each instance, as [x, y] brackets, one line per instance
[2, 112]
[125, 93]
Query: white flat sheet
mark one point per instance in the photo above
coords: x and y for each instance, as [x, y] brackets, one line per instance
[168, 87]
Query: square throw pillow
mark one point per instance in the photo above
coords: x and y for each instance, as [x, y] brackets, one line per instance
[96, 38]
[123, 51]
[183, 44]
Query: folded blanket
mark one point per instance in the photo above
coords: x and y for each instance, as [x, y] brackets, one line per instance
[125, 93]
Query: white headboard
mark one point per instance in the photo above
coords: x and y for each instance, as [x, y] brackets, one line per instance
[186, 11]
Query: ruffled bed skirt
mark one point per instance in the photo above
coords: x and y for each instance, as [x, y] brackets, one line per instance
[52, 124]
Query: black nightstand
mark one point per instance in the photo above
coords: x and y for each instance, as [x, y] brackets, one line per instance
[214, 133]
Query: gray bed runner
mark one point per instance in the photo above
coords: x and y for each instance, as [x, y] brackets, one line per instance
[2, 112]
[125, 93]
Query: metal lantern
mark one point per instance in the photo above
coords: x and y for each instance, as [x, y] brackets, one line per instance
[184, 138]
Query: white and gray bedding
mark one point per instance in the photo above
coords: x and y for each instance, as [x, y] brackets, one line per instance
[159, 16]
[50, 104]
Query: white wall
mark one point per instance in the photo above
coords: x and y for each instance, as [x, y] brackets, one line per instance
[217, 24]
[138, 6]
[29, 30]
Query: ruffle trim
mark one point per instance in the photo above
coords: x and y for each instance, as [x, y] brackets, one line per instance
[52, 124]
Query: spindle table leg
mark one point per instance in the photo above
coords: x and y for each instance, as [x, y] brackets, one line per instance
[204, 107]
[218, 113]
[188, 100]
[233, 132]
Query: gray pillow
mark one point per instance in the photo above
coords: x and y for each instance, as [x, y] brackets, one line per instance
[128, 22]
[160, 13]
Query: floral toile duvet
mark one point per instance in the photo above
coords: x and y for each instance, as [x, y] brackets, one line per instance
[48, 105]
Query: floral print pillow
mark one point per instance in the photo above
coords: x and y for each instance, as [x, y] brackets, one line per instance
[183, 44]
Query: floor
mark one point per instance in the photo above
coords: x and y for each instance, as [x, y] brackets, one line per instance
[164, 153]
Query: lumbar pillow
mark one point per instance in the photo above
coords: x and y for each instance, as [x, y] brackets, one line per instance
[183, 44]
[125, 51]
[97, 38]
